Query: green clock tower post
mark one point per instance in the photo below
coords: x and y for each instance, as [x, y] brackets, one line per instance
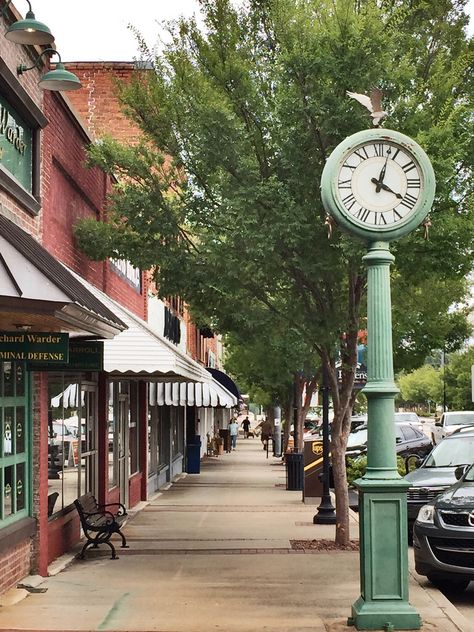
[379, 185]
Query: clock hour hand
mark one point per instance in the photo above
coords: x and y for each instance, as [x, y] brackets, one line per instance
[381, 185]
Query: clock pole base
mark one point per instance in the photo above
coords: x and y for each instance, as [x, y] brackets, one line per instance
[384, 615]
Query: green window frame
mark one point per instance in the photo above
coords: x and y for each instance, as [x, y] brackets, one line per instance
[15, 443]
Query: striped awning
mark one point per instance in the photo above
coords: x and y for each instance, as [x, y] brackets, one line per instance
[200, 394]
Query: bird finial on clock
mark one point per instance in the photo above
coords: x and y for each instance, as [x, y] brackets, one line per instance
[373, 103]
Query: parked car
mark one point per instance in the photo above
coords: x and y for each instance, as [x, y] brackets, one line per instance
[443, 539]
[437, 472]
[409, 418]
[409, 441]
[450, 422]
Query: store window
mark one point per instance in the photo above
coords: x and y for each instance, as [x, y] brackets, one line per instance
[14, 443]
[177, 430]
[72, 439]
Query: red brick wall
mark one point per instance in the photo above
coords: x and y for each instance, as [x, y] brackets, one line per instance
[15, 565]
[71, 192]
[97, 102]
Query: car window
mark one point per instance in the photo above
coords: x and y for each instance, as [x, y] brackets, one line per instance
[470, 475]
[452, 452]
[399, 434]
[408, 417]
[459, 419]
[409, 433]
[358, 437]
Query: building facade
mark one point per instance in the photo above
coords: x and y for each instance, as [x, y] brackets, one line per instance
[88, 396]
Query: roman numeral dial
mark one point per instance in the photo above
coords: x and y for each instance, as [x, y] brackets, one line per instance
[379, 184]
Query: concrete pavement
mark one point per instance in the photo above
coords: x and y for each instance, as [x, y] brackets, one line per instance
[213, 553]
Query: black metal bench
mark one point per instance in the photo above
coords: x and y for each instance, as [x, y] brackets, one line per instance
[100, 522]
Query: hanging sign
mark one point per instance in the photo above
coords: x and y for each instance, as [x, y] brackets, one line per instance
[84, 355]
[16, 142]
[34, 347]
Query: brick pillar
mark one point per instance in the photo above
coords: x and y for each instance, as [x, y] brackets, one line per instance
[39, 424]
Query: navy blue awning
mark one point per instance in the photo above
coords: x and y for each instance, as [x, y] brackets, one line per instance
[226, 381]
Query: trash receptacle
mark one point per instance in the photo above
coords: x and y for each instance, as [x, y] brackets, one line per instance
[294, 470]
[193, 456]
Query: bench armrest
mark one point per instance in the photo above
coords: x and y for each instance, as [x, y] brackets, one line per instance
[121, 512]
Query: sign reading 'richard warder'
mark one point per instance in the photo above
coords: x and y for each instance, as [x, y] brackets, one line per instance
[34, 347]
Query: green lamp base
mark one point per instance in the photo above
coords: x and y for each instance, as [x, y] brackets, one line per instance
[384, 616]
[383, 604]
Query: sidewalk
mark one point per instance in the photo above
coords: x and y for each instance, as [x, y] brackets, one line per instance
[213, 553]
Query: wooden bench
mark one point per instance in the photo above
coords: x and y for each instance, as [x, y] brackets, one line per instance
[100, 522]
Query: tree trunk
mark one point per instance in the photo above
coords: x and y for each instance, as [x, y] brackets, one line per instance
[298, 421]
[310, 388]
[288, 413]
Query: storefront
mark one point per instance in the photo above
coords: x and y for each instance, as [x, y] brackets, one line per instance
[43, 311]
[146, 444]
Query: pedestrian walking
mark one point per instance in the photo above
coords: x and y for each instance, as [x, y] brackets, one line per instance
[233, 430]
[267, 431]
[246, 427]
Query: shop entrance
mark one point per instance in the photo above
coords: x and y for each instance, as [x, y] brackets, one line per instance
[122, 447]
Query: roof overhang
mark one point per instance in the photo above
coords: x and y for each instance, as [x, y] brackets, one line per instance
[201, 395]
[141, 352]
[38, 292]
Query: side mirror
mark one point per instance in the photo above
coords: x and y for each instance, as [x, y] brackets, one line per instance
[398, 439]
[460, 471]
[438, 423]
[412, 462]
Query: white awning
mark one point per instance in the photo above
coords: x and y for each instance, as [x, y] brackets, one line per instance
[142, 351]
[201, 395]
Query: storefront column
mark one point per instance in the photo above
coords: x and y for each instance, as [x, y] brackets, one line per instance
[40, 470]
[143, 437]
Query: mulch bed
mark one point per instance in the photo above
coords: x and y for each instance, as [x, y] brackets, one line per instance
[323, 545]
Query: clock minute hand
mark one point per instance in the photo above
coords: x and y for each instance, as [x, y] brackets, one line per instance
[382, 172]
[381, 185]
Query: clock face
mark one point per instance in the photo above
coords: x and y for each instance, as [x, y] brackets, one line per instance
[379, 184]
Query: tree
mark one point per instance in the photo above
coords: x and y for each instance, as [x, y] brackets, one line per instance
[221, 195]
[422, 385]
[459, 393]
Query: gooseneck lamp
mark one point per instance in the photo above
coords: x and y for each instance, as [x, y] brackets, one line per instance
[28, 31]
[58, 79]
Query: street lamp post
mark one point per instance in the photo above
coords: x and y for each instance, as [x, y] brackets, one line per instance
[326, 513]
[382, 493]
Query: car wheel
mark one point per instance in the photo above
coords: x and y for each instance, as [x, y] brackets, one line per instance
[450, 586]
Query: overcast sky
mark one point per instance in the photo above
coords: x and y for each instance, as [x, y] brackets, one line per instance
[79, 26]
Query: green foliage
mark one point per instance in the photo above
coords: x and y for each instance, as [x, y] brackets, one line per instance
[458, 381]
[357, 467]
[221, 195]
[421, 385]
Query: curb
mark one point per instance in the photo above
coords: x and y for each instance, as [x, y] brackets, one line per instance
[446, 607]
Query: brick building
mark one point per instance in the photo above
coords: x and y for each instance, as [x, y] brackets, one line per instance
[78, 360]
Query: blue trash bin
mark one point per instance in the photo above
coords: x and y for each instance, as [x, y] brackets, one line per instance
[193, 455]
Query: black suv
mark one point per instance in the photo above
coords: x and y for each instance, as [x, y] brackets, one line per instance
[443, 538]
[436, 472]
